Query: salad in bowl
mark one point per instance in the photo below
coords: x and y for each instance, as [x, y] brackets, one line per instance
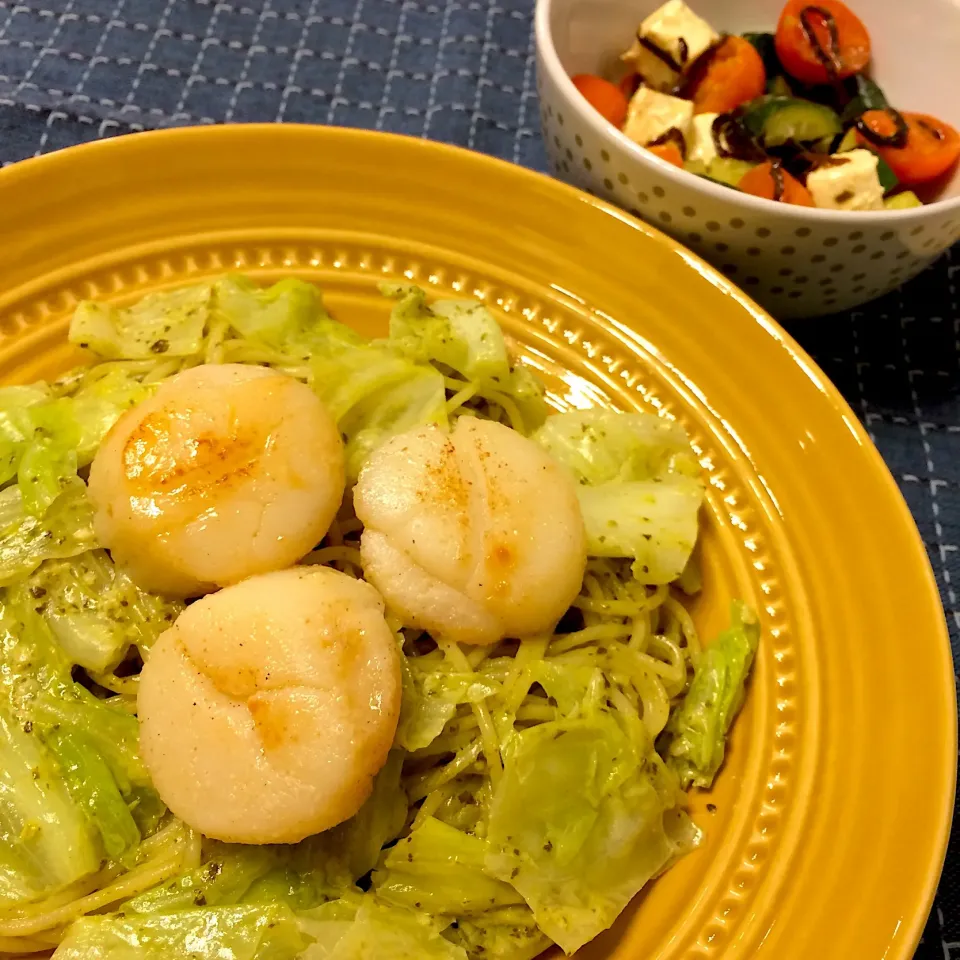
[790, 116]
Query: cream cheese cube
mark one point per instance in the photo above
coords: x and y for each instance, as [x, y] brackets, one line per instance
[700, 144]
[676, 30]
[851, 185]
[654, 71]
[651, 114]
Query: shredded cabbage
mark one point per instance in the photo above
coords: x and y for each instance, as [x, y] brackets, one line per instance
[640, 487]
[696, 735]
[602, 445]
[378, 931]
[212, 933]
[533, 789]
[582, 819]
[96, 612]
[653, 521]
[441, 870]
[170, 324]
[461, 334]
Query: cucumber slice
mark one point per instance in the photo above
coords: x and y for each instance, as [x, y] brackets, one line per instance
[728, 170]
[902, 201]
[849, 142]
[888, 179]
[866, 95]
[775, 121]
[757, 112]
[800, 122]
[719, 170]
[778, 87]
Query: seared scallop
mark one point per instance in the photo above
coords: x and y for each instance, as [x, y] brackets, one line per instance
[269, 707]
[475, 535]
[226, 471]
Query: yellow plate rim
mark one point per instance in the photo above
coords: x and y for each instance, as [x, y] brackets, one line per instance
[58, 164]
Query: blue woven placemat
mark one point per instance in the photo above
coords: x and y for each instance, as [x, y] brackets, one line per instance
[76, 70]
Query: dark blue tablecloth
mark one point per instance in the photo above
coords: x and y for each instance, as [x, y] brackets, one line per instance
[75, 70]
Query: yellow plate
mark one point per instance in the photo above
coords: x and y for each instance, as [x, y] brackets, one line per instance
[831, 816]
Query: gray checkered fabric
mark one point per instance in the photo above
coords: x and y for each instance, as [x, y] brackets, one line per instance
[463, 72]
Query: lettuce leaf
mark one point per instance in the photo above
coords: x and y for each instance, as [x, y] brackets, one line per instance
[15, 402]
[461, 334]
[582, 819]
[527, 393]
[75, 780]
[218, 933]
[45, 438]
[288, 316]
[168, 324]
[464, 337]
[226, 875]
[381, 932]
[65, 530]
[600, 446]
[375, 394]
[430, 697]
[440, 870]
[655, 522]
[695, 737]
[640, 486]
[515, 938]
[97, 403]
[46, 470]
[96, 611]
[48, 841]
[94, 790]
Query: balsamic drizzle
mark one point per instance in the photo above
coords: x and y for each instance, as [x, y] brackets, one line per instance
[662, 55]
[817, 161]
[896, 139]
[776, 173]
[934, 132]
[673, 135]
[830, 58]
[699, 66]
[731, 140]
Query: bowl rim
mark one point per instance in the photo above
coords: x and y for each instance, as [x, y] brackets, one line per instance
[756, 205]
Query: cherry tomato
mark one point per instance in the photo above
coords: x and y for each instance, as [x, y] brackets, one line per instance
[669, 152]
[821, 42]
[724, 78]
[605, 97]
[762, 181]
[922, 148]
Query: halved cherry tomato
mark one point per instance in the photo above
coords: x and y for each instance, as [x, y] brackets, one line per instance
[605, 97]
[822, 41]
[764, 181]
[628, 85]
[727, 76]
[929, 147]
[669, 152]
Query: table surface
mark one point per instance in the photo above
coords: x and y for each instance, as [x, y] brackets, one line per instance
[78, 70]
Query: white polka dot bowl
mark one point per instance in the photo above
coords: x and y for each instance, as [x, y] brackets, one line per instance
[796, 261]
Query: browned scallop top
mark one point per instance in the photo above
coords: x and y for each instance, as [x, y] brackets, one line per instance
[501, 561]
[444, 481]
[166, 454]
[277, 721]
